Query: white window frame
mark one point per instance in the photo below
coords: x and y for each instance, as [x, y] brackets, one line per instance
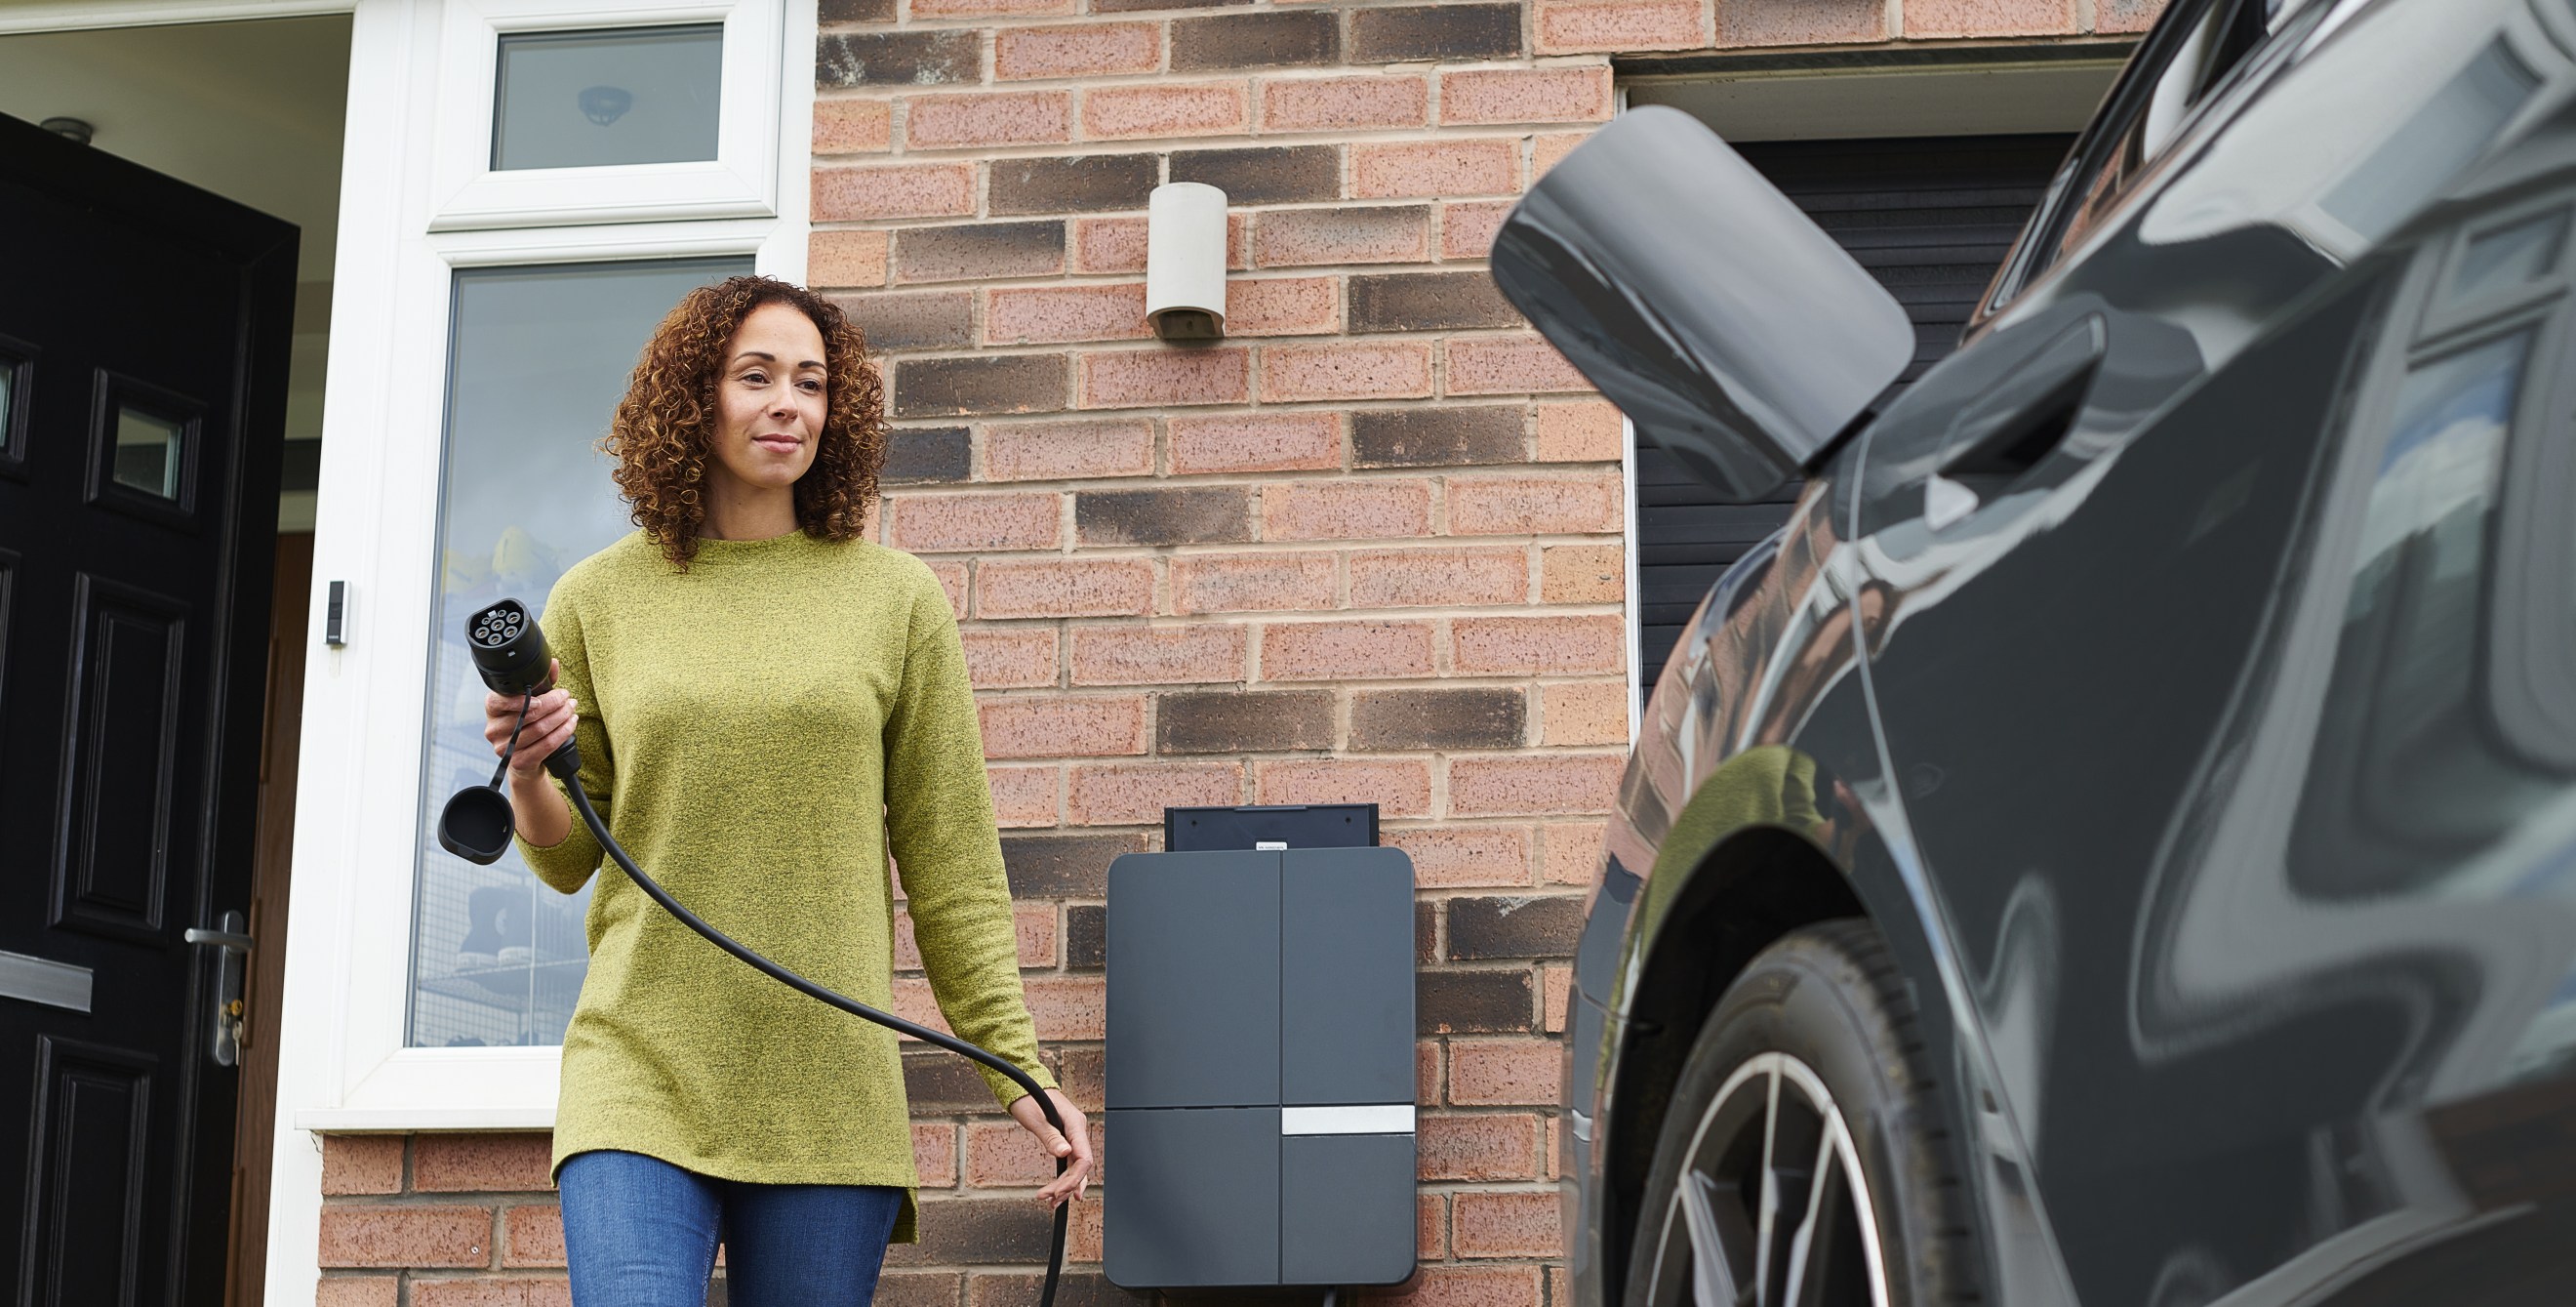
[740, 182]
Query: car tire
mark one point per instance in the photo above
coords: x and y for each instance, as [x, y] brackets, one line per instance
[1810, 1066]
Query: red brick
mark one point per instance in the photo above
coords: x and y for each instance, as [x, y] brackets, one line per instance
[1585, 712]
[1536, 505]
[1035, 926]
[1118, 244]
[1508, 365]
[1557, 980]
[406, 1236]
[1010, 657]
[1585, 431]
[1401, 787]
[1431, 1227]
[1467, 230]
[923, 190]
[1002, 1155]
[981, 8]
[1543, 646]
[935, 524]
[1438, 169]
[1573, 852]
[1054, 451]
[362, 1164]
[491, 1293]
[357, 1291]
[1582, 574]
[1003, 118]
[1970, 18]
[1621, 25]
[952, 582]
[1252, 583]
[1467, 1286]
[934, 1154]
[1503, 1072]
[1157, 655]
[1409, 578]
[1526, 95]
[1069, 1007]
[1019, 315]
[1345, 510]
[1801, 22]
[1537, 784]
[1090, 587]
[1550, 148]
[1031, 726]
[472, 1163]
[1283, 306]
[853, 126]
[1508, 1225]
[1076, 50]
[1485, 1146]
[1351, 370]
[1153, 378]
[533, 1235]
[1328, 651]
[1164, 109]
[1297, 237]
[1466, 857]
[845, 258]
[1341, 103]
[2126, 15]
[1023, 797]
[1255, 442]
[1136, 794]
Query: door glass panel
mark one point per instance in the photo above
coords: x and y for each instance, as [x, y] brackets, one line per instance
[592, 99]
[148, 449]
[538, 357]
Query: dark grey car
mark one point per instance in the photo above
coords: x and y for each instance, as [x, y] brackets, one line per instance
[2118, 844]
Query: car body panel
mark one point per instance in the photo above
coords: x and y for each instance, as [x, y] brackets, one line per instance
[2236, 1004]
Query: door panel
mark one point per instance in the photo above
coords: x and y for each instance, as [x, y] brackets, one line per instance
[146, 327]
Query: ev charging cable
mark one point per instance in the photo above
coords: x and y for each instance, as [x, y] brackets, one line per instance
[511, 655]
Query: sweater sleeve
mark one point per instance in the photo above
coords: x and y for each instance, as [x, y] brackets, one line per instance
[567, 865]
[939, 827]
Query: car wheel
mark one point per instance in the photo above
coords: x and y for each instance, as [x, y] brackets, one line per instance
[1805, 1159]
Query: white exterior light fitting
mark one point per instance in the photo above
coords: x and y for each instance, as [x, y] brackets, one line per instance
[1185, 261]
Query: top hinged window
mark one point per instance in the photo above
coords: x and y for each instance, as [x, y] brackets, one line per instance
[556, 112]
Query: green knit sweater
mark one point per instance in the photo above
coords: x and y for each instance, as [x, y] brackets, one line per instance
[761, 732]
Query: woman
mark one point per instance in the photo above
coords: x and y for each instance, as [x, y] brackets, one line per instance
[768, 708]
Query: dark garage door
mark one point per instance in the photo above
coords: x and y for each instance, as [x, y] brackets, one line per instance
[1930, 218]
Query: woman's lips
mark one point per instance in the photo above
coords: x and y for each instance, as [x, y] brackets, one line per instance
[783, 444]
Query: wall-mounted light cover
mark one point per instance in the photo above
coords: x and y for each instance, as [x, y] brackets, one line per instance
[1185, 261]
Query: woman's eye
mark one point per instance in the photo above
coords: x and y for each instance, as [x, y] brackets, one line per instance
[755, 379]
[814, 386]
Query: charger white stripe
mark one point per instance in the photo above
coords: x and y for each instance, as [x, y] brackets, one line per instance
[1374, 1119]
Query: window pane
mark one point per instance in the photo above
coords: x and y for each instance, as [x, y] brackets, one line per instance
[588, 99]
[537, 360]
[147, 451]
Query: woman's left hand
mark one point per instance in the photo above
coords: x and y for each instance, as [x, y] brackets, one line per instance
[1074, 1145]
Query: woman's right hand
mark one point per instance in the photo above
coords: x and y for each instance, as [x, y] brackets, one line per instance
[549, 725]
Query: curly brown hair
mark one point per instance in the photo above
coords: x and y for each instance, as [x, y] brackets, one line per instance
[664, 425]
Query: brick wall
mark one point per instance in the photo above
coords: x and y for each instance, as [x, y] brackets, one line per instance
[1366, 548]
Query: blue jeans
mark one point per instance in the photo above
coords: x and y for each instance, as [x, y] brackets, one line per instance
[640, 1232]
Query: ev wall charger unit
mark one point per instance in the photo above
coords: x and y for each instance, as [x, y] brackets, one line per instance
[1261, 1069]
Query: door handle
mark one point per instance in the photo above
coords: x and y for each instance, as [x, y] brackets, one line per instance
[232, 1025]
[2000, 438]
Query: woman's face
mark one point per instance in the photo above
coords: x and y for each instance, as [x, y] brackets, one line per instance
[771, 398]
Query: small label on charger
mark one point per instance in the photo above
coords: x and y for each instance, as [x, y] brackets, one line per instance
[1269, 846]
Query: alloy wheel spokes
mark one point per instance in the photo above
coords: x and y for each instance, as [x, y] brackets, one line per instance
[1769, 1208]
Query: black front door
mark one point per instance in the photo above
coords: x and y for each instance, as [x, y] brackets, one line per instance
[144, 330]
